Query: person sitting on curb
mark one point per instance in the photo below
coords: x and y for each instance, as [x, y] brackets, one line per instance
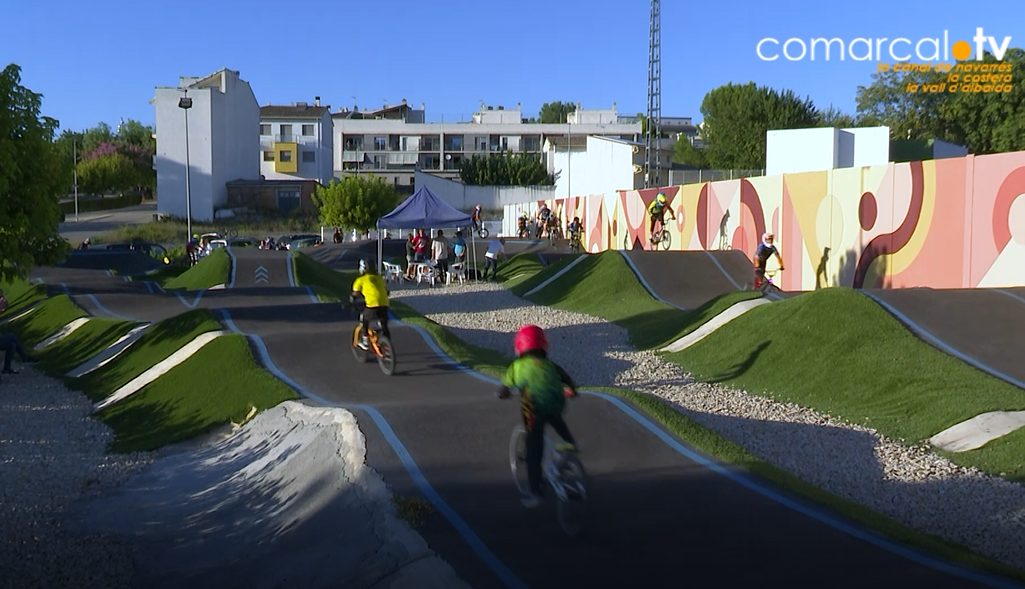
[10, 346]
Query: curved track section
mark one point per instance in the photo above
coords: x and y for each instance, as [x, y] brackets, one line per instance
[661, 514]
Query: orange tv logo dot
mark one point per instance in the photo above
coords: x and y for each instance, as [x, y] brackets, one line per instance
[961, 50]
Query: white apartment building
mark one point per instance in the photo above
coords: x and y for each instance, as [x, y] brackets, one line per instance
[223, 142]
[395, 141]
[297, 142]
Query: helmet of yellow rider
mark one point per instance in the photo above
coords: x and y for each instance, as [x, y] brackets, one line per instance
[768, 236]
[366, 267]
[661, 197]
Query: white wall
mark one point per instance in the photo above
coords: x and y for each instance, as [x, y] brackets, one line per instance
[871, 146]
[605, 166]
[223, 144]
[801, 150]
[793, 151]
[465, 197]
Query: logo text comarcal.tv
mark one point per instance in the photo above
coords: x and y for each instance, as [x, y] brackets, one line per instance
[882, 49]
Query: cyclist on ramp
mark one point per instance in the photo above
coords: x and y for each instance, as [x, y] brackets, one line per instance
[544, 387]
[374, 292]
[765, 249]
[657, 211]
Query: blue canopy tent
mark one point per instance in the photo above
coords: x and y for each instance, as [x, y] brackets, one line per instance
[423, 210]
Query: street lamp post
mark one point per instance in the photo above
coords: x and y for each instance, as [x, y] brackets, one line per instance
[185, 103]
[74, 147]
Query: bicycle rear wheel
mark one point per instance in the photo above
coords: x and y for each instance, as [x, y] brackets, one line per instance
[484, 233]
[358, 352]
[518, 459]
[386, 360]
[572, 510]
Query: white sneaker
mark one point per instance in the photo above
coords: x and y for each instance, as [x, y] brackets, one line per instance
[364, 344]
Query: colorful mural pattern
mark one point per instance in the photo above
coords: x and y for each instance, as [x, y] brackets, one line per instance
[950, 223]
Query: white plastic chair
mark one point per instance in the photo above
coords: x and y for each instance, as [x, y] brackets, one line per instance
[425, 271]
[392, 272]
[457, 271]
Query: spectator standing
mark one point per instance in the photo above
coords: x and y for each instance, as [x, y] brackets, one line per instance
[459, 248]
[439, 253]
[422, 246]
[410, 255]
[495, 250]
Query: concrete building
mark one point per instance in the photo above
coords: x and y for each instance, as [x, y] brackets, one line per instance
[395, 141]
[223, 142]
[297, 142]
[594, 164]
[793, 151]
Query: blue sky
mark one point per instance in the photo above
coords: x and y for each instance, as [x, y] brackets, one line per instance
[100, 60]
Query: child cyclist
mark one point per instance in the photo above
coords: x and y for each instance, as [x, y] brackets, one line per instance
[373, 291]
[544, 387]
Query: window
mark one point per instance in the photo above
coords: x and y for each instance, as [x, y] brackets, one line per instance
[268, 156]
[309, 156]
[286, 131]
[380, 143]
[505, 144]
[289, 200]
[265, 130]
[286, 156]
[307, 130]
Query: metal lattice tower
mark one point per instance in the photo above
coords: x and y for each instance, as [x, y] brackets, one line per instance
[653, 135]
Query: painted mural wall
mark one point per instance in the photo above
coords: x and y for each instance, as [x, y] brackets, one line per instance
[950, 223]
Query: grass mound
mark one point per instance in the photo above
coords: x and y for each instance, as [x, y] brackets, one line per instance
[537, 274]
[518, 268]
[604, 286]
[329, 285]
[210, 271]
[21, 295]
[160, 341]
[220, 382]
[837, 351]
[48, 318]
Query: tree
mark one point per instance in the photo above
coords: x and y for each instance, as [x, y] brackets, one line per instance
[909, 115]
[685, 153]
[30, 181]
[356, 202]
[505, 170]
[988, 122]
[133, 132]
[834, 117]
[66, 151]
[737, 117]
[105, 172]
[92, 138]
[556, 112]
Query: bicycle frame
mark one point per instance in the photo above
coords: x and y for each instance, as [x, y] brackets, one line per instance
[549, 466]
[372, 331]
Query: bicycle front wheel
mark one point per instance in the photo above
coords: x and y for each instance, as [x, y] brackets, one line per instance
[573, 501]
[518, 459]
[666, 240]
[386, 358]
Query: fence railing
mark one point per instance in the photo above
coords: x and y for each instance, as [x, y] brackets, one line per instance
[677, 177]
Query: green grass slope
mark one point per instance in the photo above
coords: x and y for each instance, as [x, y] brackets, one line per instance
[329, 285]
[837, 351]
[210, 271]
[604, 286]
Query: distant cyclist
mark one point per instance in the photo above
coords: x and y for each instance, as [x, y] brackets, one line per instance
[657, 210]
[544, 387]
[542, 219]
[374, 292]
[477, 218]
[574, 228]
[522, 225]
[765, 250]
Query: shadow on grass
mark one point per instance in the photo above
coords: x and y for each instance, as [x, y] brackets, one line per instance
[742, 367]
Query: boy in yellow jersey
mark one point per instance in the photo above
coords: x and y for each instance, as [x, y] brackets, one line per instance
[375, 300]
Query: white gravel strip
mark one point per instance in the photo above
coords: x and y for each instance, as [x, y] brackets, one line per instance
[52, 455]
[906, 482]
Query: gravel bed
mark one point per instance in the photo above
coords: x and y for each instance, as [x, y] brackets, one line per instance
[906, 482]
[51, 455]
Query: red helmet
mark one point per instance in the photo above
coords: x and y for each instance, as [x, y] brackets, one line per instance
[530, 337]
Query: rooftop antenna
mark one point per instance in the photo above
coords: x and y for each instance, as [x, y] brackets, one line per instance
[653, 134]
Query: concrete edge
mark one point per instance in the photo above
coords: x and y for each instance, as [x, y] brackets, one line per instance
[22, 314]
[63, 333]
[713, 324]
[159, 369]
[110, 353]
[978, 431]
[556, 276]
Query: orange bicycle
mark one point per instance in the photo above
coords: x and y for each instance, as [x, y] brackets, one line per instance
[379, 345]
